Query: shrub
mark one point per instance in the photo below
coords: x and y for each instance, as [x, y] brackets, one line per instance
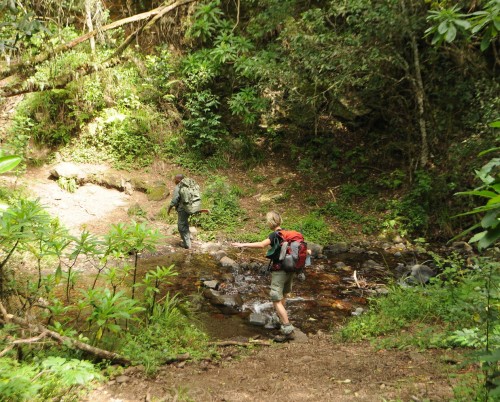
[52, 378]
[120, 137]
[169, 333]
[45, 117]
[223, 201]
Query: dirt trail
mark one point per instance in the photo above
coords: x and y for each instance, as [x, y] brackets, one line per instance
[317, 370]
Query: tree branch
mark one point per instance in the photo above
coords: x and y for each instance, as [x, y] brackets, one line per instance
[61, 339]
[40, 58]
[251, 342]
[148, 26]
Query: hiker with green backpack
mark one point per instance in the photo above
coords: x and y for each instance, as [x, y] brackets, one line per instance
[187, 201]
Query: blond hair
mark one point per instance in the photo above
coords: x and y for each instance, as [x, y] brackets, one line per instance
[273, 219]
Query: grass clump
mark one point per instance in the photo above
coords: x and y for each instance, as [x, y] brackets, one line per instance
[453, 310]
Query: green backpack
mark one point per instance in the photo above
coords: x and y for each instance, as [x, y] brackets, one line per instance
[190, 195]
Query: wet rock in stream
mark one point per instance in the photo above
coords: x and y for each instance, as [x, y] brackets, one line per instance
[227, 303]
[258, 319]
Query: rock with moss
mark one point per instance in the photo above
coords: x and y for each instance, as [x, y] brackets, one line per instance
[157, 191]
[270, 197]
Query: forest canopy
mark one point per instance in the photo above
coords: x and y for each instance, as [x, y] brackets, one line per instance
[405, 88]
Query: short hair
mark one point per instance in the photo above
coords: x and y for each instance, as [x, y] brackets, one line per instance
[178, 177]
[273, 219]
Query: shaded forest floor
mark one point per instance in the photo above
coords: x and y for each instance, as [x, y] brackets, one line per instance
[318, 369]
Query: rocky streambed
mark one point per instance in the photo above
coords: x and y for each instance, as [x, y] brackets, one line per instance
[229, 287]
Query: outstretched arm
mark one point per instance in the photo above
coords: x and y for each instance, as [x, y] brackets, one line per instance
[257, 244]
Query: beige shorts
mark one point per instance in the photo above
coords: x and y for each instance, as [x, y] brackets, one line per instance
[281, 284]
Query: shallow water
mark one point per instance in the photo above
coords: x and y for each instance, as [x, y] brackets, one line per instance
[323, 300]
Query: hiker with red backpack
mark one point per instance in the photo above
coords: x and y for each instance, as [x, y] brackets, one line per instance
[287, 253]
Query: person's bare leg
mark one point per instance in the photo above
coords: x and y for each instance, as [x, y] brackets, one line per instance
[279, 306]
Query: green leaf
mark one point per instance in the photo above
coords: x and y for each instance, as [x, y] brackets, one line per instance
[58, 274]
[494, 124]
[462, 23]
[489, 238]
[451, 34]
[114, 328]
[477, 237]
[8, 163]
[485, 43]
[490, 220]
[479, 209]
[494, 200]
[436, 39]
[487, 194]
[443, 27]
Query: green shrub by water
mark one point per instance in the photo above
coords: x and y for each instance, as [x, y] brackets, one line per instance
[171, 331]
[450, 311]
[222, 199]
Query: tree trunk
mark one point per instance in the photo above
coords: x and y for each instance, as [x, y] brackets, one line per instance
[90, 25]
[420, 97]
[418, 88]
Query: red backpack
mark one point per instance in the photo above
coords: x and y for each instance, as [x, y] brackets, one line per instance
[292, 251]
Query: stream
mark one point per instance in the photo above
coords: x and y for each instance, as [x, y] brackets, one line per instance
[230, 294]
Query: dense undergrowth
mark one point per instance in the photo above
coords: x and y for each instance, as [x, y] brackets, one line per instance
[239, 93]
[109, 307]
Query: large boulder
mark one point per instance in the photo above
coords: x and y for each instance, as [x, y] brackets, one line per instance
[316, 249]
[421, 274]
[68, 170]
[158, 191]
[227, 303]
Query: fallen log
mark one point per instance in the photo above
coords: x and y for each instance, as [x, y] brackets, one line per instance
[16, 342]
[61, 339]
[244, 344]
[20, 87]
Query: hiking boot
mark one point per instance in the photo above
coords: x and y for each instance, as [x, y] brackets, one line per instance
[284, 338]
[286, 329]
